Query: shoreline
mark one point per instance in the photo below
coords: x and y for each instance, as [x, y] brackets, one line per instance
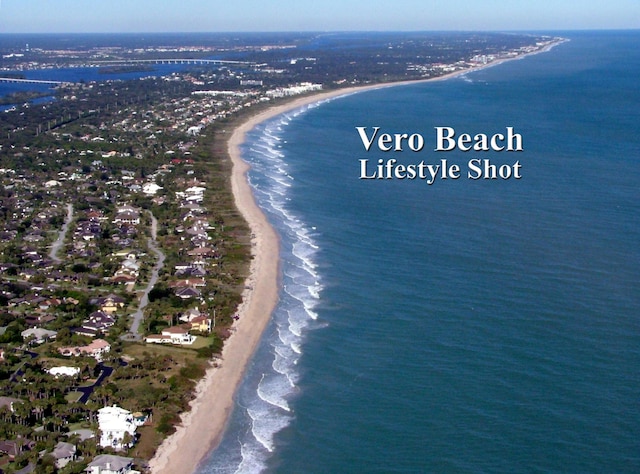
[203, 426]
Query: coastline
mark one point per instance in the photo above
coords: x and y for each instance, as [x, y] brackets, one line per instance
[202, 427]
[210, 410]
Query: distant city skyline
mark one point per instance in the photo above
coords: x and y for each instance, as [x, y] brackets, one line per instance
[83, 16]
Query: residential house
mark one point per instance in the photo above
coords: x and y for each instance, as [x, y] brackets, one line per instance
[15, 447]
[172, 335]
[38, 335]
[111, 303]
[38, 319]
[201, 323]
[202, 252]
[198, 272]
[63, 370]
[87, 329]
[189, 269]
[195, 190]
[187, 293]
[95, 215]
[190, 314]
[129, 266]
[182, 268]
[63, 453]
[111, 464]
[97, 349]
[150, 189]
[123, 278]
[98, 321]
[101, 319]
[127, 218]
[115, 425]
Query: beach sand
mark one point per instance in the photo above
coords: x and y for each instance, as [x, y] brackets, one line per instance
[202, 427]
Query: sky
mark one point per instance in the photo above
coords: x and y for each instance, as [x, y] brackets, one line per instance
[111, 16]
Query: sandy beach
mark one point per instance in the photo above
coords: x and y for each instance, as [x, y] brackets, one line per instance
[202, 427]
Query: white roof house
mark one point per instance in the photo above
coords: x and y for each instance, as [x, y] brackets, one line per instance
[114, 423]
[64, 370]
[38, 335]
[172, 335]
[195, 190]
[150, 188]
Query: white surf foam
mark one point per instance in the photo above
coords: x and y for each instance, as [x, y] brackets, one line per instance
[269, 410]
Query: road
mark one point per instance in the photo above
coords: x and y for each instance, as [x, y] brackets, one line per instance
[144, 301]
[63, 234]
[105, 371]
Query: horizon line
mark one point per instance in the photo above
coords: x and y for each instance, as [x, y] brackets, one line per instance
[265, 32]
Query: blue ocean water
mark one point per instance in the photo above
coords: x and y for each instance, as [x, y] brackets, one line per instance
[465, 326]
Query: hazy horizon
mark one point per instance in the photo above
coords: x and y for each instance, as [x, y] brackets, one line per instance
[254, 16]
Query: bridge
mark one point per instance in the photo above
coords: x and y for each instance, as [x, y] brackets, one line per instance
[128, 62]
[30, 81]
[215, 62]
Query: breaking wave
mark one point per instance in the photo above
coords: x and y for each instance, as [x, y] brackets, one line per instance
[263, 406]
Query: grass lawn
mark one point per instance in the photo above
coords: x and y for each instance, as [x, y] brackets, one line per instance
[73, 396]
[201, 342]
[137, 351]
[173, 358]
[81, 425]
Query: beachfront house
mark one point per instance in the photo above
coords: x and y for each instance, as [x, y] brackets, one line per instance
[117, 427]
[171, 335]
[201, 323]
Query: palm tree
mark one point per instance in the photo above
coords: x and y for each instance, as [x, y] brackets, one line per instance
[39, 407]
[101, 394]
[22, 411]
[5, 414]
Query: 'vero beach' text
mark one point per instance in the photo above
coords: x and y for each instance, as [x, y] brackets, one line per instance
[446, 140]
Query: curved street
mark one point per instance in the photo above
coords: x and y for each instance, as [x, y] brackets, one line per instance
[137, 316]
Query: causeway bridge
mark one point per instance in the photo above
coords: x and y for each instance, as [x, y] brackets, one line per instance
[129, 62]
[215, 62]
[30, 81]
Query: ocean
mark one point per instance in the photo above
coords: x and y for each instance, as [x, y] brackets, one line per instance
[474, 326]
